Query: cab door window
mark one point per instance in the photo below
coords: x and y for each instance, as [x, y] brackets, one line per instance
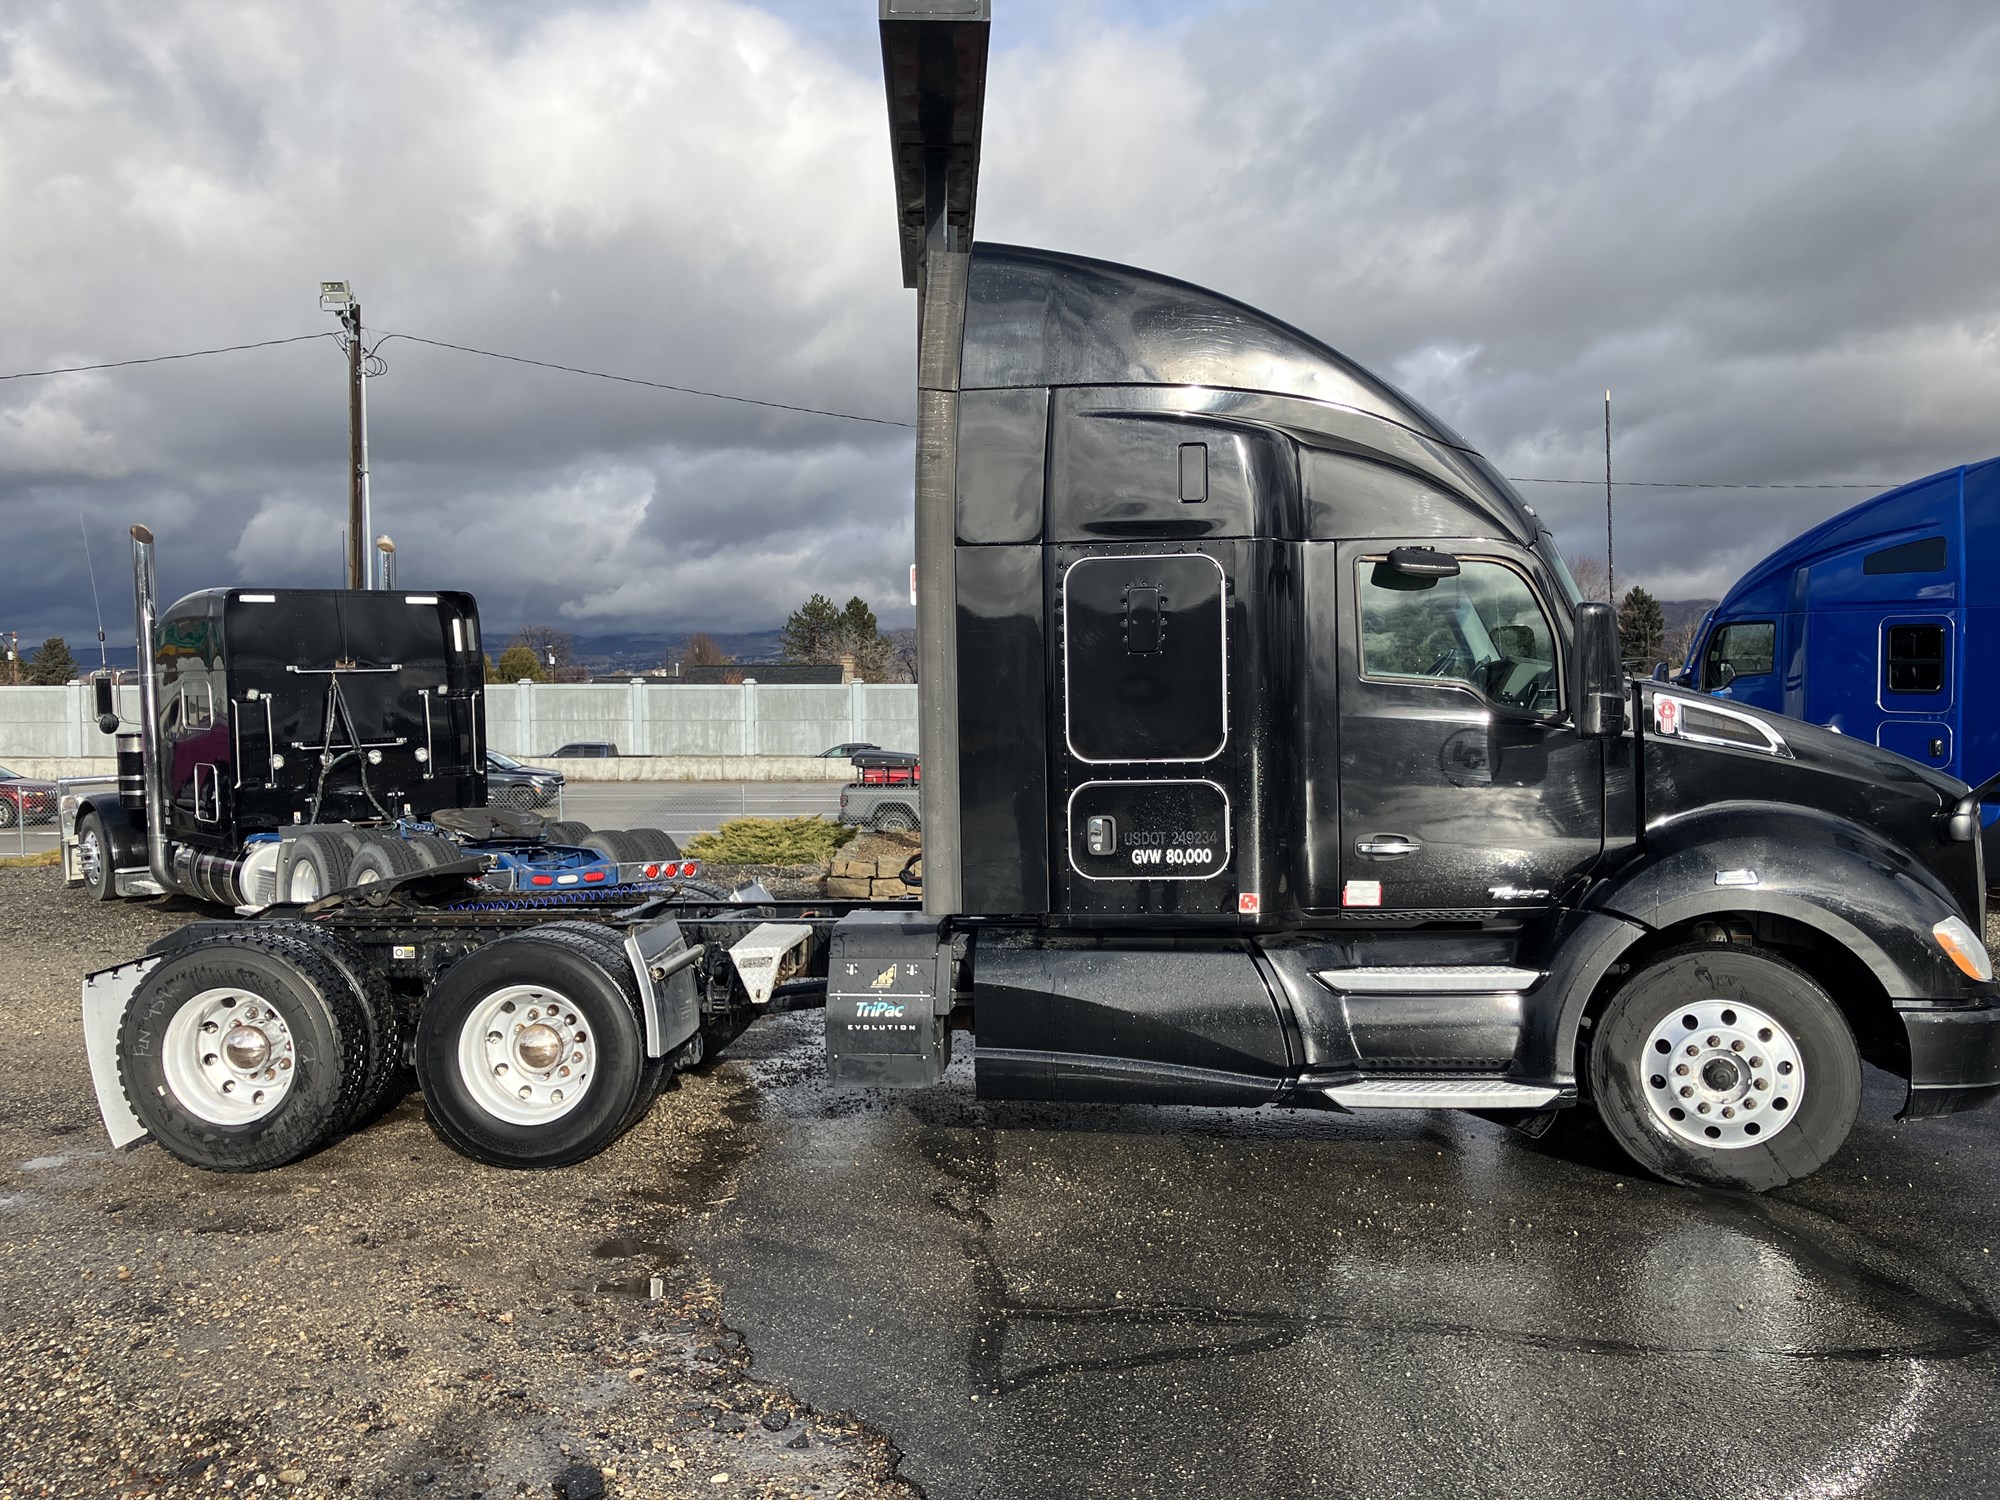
[1748, 648]
[1485, 630]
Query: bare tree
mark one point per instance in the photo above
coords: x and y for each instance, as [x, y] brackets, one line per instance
[902, 664]
[1593, 579]
[701, 650]
[553, 649]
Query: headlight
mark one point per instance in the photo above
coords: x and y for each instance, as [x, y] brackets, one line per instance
[1964, 948]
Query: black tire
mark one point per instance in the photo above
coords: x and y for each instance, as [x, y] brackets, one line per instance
[388, 1019]
[653, 843]
[573, 969]
[895, 818]
[434, 850]
[612, 843]
[329, 1051]
[522, 797]
[566, 832]
[10, 812]
[1638, 1090]
[95, 857]
[320, 864]
[658, 1069]
[385, 858]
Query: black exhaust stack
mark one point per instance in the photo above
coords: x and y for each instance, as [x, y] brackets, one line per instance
[934, 68]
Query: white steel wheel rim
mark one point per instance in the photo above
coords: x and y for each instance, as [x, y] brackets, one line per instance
[90, 855]
[229, 1057]
[304, 883]
[527, 1055]
[1722, 1075]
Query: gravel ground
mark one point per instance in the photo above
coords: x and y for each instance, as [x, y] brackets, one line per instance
[384, 1318]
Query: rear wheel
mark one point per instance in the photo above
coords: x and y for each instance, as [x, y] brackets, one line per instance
[1726, 1067]
[567, 831]
[612, 843]
[895, 818]
[94, 857]
[434, 850]
[653, 843]
[244, 1051]
[318, 866]
[385, 858]
[530, 1051]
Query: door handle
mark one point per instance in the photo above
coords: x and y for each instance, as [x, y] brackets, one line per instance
[1387, 845]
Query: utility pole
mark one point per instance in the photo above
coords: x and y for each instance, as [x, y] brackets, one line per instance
[1610, 566]
[338, 298]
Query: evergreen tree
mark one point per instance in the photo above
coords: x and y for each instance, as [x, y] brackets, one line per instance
[861, 636]
[815, 633]
[52, 663]
[1642, 629]
[519, 661]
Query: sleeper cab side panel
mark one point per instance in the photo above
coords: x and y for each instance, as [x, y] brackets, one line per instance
[1090, 1024]
[1002, 738]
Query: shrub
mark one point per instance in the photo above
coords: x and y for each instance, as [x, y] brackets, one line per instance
[770, 841]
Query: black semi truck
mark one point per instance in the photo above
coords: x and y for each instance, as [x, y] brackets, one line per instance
[1271, 758]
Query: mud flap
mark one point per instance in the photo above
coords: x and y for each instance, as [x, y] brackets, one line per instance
[888, 1001]
[105, 996]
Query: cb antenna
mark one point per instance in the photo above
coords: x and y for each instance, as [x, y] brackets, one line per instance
[103, 660]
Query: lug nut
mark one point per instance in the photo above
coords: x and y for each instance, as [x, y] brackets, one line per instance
[1737, 1045]
[1681, 1070]
[1686, 1092]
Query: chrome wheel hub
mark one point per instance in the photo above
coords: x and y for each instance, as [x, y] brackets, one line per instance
[229, 1057]
[1722, 1074]
[526, 1055]
[90, 855]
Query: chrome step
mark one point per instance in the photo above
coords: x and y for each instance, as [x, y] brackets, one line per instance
[1439, 1093]
[1430, 979]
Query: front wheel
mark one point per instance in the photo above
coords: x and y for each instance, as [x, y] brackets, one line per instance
[1726, 1067]
[93, 857]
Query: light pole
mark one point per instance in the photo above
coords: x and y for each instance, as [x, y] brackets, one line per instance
[338, 297]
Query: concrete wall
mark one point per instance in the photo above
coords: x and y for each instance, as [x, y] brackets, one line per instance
[529, 720]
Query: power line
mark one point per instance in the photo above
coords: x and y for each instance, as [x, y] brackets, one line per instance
[658, 385]
[848, 416]
[1693, 484]
[160, 359]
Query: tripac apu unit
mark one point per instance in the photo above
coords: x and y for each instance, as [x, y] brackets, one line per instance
[888, 1000]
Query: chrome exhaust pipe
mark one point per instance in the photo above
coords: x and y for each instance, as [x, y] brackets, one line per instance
[146, 604]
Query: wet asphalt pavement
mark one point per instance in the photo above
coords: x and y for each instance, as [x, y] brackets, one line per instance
[1050, 1300]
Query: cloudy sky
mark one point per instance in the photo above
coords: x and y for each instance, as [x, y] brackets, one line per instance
[1771, 229]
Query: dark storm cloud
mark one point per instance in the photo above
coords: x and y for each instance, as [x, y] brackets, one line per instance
[1768, 228]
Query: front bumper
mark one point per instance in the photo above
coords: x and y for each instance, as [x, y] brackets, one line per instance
[1954, 1059]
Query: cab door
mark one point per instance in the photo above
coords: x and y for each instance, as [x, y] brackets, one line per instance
[1464, 786]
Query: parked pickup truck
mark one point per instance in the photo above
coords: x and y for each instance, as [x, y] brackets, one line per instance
[886, 793]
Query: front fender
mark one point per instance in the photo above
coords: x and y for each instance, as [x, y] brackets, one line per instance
[1828, 874]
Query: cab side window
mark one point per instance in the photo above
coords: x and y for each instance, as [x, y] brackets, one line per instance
[1746, 649]
[1485, 629]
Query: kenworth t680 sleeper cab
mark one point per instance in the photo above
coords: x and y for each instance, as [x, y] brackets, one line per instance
[1270, 758]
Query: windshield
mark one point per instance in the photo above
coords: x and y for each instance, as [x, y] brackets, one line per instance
[1550, 553]
[504, 762]
[7, 775]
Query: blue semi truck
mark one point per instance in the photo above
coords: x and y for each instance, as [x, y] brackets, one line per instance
[1882, 623]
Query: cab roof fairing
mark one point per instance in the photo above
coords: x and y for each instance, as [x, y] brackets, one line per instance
[1048, 319]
